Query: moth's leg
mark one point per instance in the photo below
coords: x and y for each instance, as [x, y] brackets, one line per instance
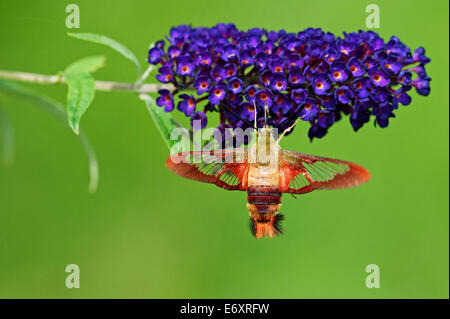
[287, 130]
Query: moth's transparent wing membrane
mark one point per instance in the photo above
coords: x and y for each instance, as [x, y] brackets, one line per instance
[225, 168]
[302, 173]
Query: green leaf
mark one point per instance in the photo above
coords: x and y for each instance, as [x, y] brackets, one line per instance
[79, 96]
[81, 87]
[101, 39]
[57, 110]
[163, 120]
[86, 65]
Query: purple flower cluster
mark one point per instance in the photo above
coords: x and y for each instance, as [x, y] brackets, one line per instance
[312, 75]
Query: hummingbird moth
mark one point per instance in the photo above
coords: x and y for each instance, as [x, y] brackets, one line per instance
[265, 172]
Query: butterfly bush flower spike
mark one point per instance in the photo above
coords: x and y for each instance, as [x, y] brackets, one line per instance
[312, 75]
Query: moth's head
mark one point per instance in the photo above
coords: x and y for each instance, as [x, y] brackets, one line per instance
[265, 133]
[266, 147]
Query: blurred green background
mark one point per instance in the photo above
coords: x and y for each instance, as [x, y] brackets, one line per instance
[147, 233]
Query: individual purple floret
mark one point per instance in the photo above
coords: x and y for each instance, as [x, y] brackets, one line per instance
[311, 75]
[165, 99]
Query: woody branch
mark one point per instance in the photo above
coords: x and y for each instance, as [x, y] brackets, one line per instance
[99, 85]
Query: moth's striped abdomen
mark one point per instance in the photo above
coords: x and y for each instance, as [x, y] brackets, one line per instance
[263, 205]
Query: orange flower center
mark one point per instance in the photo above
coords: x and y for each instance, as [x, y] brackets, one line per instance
[319, 85]
[337, 74]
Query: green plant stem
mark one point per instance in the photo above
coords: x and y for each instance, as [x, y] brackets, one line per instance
[99, 85]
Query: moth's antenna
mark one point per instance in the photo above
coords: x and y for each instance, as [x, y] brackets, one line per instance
[244, 120]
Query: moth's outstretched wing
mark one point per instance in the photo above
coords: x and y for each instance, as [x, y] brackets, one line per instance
[302, 173]
[225, 168]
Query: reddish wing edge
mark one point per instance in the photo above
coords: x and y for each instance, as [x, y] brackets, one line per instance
[230, 176]
[295, 164]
